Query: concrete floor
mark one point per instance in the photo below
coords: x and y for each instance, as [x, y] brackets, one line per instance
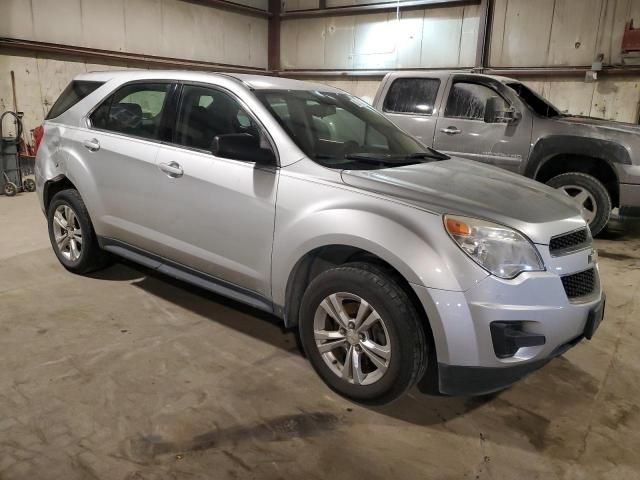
[130, 375]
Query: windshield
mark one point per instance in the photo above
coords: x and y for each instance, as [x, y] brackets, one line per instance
[338, 130]
[539, 104]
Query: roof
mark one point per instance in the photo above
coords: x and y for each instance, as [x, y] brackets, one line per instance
[255, 82]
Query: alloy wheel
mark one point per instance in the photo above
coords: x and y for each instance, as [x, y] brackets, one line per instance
[67, 232]
[585, 200]
[352, 338]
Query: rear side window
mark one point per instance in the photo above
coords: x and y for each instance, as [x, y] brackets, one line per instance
[135, 109]
[75, 91]
[467, 100]
[412, 95]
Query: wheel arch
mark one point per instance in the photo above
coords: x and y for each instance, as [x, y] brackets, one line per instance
[552, 156]
[53, 186]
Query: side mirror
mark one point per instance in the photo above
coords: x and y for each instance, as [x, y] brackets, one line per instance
[242, 146]
[494, 112]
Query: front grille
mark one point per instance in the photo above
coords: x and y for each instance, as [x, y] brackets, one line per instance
[579, 284]
[569, 242]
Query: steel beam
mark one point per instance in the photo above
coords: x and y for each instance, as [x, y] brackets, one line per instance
[508, 72]
[273, 47]
[484, 33]
[374, 8]
[94, 53]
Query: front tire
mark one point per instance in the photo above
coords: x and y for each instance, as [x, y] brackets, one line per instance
[362, 334]
[590, 194]
[71, 234]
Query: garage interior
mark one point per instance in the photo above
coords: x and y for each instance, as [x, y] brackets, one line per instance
[127, 374]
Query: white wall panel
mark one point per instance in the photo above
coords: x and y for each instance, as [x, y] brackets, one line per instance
[103, 24]
[574, 32]
[521, 32]
[292, 5]
[339, 42]
[143, 26]
[441, 37]
[435, 37]
[49, 17]
[168, 28]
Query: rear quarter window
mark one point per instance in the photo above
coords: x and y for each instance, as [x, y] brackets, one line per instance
[75, 91]
[412, 95]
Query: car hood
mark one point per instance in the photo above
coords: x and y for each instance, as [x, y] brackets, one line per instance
[601, 123]
[464, 187]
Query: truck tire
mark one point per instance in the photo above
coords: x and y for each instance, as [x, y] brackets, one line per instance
[362, 334]
[71, 234]
[591, 195]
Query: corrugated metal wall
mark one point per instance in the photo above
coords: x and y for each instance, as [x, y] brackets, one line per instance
[167, 28]
[436, 37]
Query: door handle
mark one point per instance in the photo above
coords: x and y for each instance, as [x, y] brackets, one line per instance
[92, 145]
[172, 169]
[451, 130]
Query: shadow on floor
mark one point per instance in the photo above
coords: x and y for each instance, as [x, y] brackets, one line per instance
[416, 407]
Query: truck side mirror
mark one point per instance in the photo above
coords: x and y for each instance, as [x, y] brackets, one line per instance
[494, 112]
[242, 146]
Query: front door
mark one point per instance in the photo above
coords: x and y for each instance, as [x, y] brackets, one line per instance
[215, 215]
[462, 131]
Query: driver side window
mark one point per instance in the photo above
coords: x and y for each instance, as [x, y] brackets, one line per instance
[207, 112]
[468, 101]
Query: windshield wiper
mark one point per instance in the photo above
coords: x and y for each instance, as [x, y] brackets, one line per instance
[397, 159]
[432, 153]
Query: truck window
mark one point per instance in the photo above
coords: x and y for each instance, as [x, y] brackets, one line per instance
[71, 95]
[412, 95]
[467, 100]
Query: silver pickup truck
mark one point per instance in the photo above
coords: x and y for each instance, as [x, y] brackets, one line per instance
[500, 121]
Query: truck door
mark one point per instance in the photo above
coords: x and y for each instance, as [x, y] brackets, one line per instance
[463, 130]
[411, 103]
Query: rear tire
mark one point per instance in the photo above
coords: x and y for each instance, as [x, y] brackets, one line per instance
[72, 236]
[591, 195]
[378, 349]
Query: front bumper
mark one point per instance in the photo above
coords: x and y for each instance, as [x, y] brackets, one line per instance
[536, 301]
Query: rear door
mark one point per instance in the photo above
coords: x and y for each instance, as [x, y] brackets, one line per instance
[411, 104]
[461, 129]
[119, 150]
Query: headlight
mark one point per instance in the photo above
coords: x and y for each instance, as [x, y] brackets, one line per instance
[500, 250]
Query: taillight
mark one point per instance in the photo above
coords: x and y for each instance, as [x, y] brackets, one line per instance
[37, 133]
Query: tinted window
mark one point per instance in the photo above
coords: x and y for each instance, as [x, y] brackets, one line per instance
[412, 95]
[207, 112]
[331, 128]
[71, 95]
[467, 100]
[135, 109]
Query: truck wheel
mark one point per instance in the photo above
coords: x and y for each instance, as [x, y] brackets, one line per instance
[72, 236]
[362, 334]
[590, 194]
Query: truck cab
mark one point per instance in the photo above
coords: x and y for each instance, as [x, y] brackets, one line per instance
[502, 122]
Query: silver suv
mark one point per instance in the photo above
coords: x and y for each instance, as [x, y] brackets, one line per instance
[398, 265]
